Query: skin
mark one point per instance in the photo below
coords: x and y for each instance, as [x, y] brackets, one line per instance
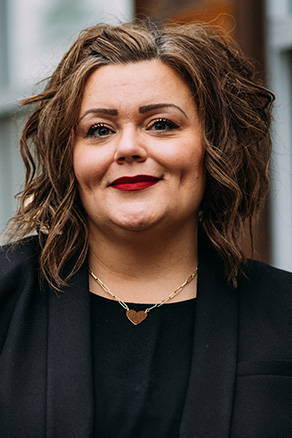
[140, 119]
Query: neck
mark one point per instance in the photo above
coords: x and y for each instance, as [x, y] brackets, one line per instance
[143, 266]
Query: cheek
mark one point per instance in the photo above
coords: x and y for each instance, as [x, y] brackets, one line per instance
[79, 164]
[200, 170]
[88, 167]
[194, 176]
[191, 163]
[199, 164]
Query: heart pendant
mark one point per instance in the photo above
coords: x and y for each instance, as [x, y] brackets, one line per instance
[136, 317]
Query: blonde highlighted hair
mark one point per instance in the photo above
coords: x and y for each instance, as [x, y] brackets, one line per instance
[235, 115]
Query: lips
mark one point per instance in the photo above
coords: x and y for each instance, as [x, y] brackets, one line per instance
[132, 183]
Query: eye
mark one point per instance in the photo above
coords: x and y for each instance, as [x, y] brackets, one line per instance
[163, 125]
[98, 130]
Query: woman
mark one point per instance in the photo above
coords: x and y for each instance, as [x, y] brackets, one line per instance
[133, 311]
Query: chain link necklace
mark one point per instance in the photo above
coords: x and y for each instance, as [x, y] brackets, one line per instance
[137, 317]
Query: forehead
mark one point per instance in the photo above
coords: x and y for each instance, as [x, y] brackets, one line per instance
[145, 81]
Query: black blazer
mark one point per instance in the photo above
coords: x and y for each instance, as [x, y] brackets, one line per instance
[240, 384]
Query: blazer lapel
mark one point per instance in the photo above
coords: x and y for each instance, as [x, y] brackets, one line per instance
[209, 399]
[70, 389]
[208, 407]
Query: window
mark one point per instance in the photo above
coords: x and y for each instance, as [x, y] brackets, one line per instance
[279, 57]
[34, 34]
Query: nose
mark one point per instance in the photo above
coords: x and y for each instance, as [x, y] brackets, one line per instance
[130, 147]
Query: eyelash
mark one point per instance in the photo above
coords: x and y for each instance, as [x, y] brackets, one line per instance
[170, 125]
[91, 131]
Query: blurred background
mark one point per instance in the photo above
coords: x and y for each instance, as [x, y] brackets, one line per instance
[34, 35]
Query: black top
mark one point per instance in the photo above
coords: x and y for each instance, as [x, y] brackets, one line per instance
[140, 372]
[240, 379]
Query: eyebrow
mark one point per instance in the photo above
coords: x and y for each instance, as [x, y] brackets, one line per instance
[142, 109]
[146, 108]
[107, 111]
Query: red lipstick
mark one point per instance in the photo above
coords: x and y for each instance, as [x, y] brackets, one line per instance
[132, 183]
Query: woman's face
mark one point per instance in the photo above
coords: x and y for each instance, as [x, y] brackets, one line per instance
[138, 154]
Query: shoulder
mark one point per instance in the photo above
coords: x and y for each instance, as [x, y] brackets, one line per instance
[18, 258]
[265, 313]
[267, 279]
[18, 277]
[18, 267]
[266, 286]
[266, 294]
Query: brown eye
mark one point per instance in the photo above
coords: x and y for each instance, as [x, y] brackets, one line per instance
[99, 130]
[163, 125]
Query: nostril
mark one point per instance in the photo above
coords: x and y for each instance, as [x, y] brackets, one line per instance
[130, 157]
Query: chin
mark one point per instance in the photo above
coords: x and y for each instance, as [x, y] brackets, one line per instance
[136, 226]
[137, 223]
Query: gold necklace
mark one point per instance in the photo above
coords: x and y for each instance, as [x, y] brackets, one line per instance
[137, 317]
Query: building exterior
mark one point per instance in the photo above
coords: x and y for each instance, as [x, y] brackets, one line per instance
[279, 77]
[34, 34]
[263, 28]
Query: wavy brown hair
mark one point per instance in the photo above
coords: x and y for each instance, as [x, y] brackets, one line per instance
[235, 115]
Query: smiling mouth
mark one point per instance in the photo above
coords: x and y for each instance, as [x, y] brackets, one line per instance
[130, 184]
